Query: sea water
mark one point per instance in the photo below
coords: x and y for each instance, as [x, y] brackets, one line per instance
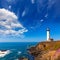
[17, 49]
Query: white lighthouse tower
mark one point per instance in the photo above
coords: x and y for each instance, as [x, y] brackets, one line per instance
[48, 34]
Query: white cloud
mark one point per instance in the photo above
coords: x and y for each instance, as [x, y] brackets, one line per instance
[41, 20]
[9, 24]
[9, 6]
[10, 0]
[46, 15]
[33, 1]
[23, 14]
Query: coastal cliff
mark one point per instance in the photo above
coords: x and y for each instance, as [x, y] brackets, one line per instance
[46, 50]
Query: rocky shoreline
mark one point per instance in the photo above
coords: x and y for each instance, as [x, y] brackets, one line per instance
[46, 51]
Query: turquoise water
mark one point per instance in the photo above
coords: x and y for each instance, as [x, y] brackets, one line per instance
[16, 50]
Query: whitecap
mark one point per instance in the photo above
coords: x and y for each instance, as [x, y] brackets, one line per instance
[3, 53]
[19, 52]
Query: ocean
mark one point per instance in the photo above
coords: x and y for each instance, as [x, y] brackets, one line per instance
[17, 50]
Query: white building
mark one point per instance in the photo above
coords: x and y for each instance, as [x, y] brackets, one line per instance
[48, 35]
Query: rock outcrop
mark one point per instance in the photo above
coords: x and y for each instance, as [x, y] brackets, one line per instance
[46, 51]
[23, 58]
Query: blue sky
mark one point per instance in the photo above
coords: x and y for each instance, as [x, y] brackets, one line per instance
[27, 20]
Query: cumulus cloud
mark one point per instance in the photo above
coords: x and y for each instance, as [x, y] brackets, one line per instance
[9, 24]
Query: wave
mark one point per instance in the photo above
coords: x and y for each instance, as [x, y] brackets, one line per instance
[3, 53]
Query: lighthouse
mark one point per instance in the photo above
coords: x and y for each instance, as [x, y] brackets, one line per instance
[48, 34]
